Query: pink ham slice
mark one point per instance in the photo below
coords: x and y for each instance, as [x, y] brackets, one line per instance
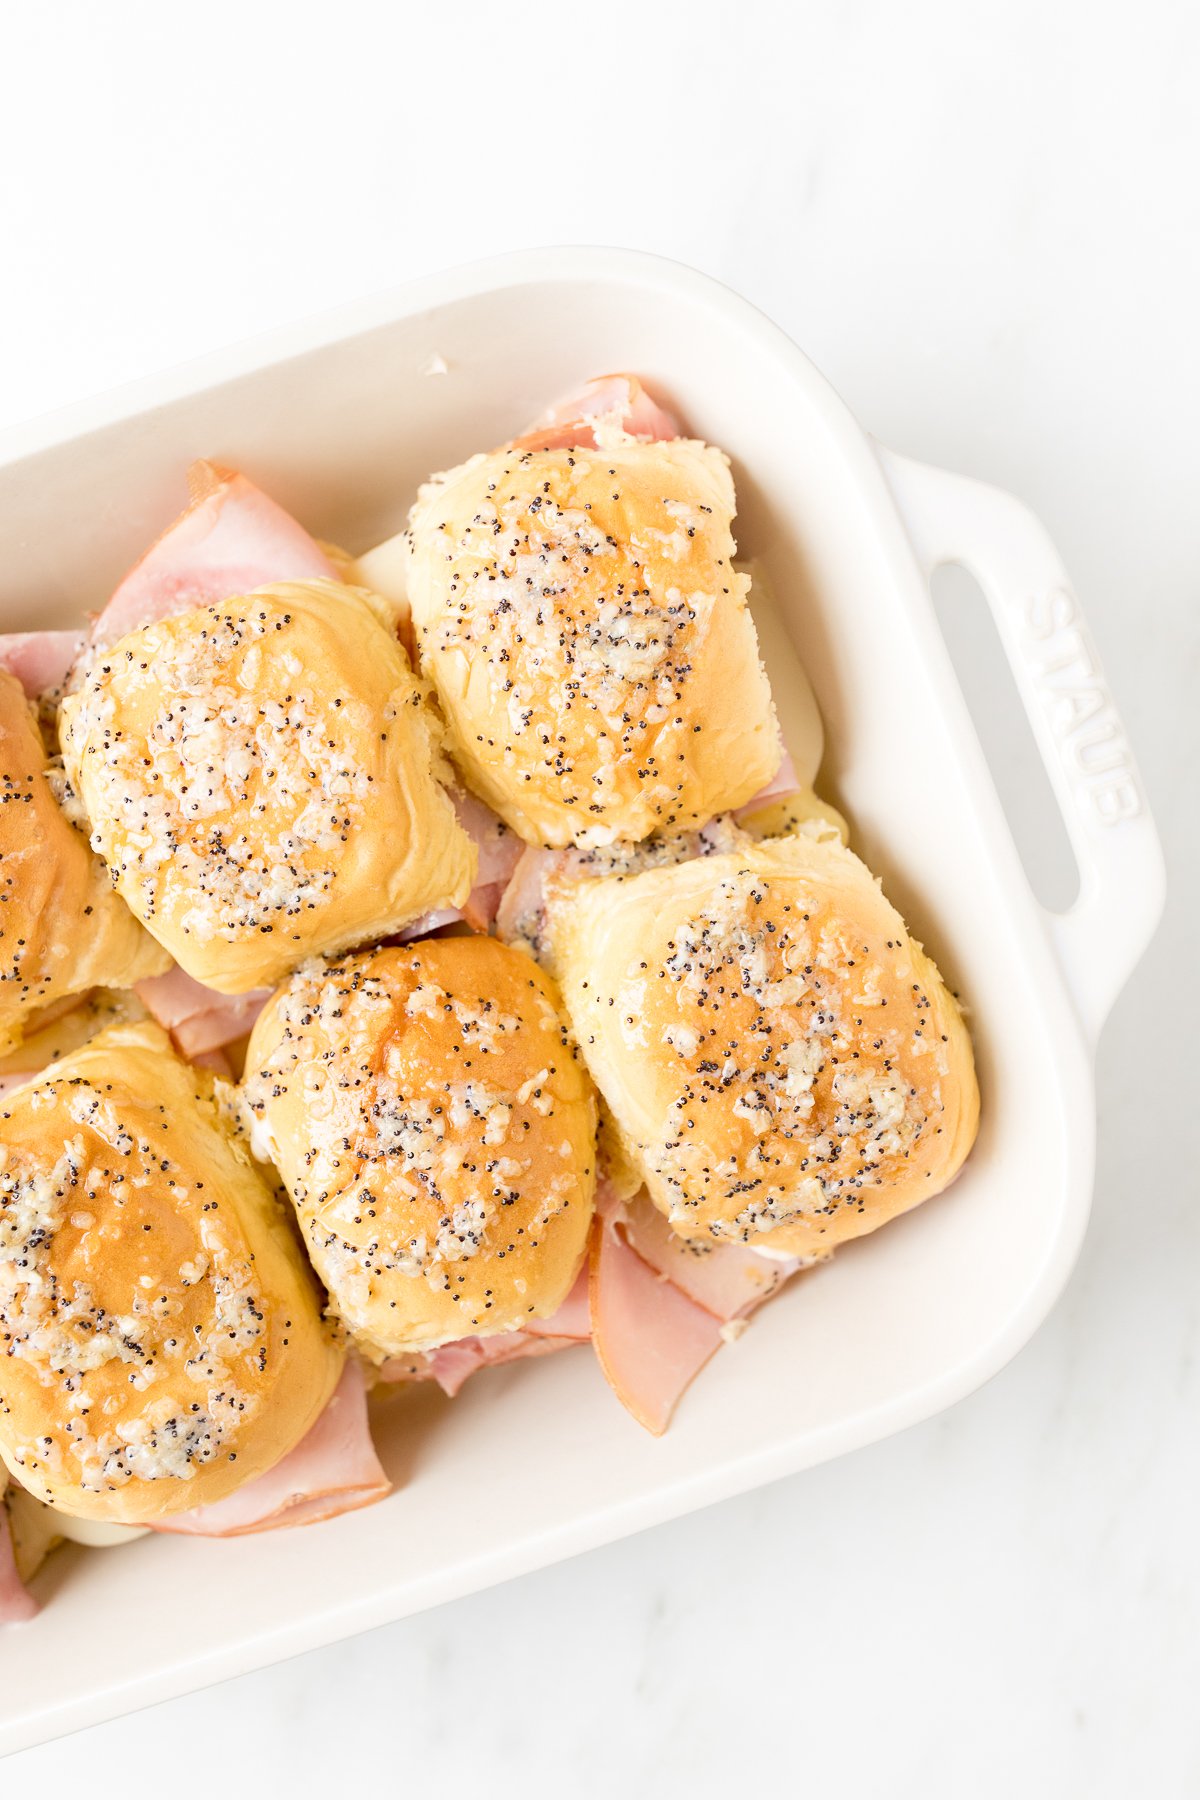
[231, 539]
[619, 399]
[40, 660]
[660, 1308]
[16, 1602]
[499, 851]
[332, 1470]
[572, 1321]
[727, 1280]
[199, 1019]
[651, 1339]
[782, 786]
[451, 1364]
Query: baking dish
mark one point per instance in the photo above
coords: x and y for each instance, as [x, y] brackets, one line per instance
[339, 418]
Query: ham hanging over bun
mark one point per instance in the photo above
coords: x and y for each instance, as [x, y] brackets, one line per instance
[40, 660]
[607, 404]
[450, 1365]
[198, 1018]
[660, 1307]
[332, 1470]
[232, 539]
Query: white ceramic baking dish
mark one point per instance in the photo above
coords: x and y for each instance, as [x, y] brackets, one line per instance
[339, 419]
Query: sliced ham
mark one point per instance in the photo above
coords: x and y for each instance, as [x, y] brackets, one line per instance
[651, 1338]
[783, 785]
[499, 852]
[499, 847]
[199, 1019]
[660, 1307]
[482, 904]
[16, 1602]
[572, 1320]
[332, 1470]
[40, 660]
[231, 539]
[14, 1080]
[608, 403]
[451, 1364]
[727, 1280]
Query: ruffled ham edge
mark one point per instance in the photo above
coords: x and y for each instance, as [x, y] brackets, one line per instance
[334, 1469]
[604, 405]
[499, 851]
[199, 1019]
[230, 539]
[660, 1309]
[655, 1307]
[450, 1365]
[40, 660]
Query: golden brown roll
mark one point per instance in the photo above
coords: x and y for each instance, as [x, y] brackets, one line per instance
[261, 779]
[580, 616]
[784, 1065]
[62, 929]
[161, 1338]
[436, 1131]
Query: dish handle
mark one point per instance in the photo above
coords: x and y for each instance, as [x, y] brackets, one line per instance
[1084, 745]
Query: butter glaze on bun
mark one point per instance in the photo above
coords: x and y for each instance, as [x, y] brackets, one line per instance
[589, 638]
[62, 929]
[435, 1127]
[161, 1338]
[261, 779]
[784, 1065]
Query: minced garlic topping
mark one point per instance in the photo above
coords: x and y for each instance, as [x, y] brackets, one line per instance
[195, 1330]
[584, 618]
[793, 1088]
[236, 797]
[424, 1153]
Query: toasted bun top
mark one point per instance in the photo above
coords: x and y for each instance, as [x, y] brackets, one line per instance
[784, 1064]
[579, 613]
[435, 1128]
[260, 777]
[62, 929]
[161, 1339]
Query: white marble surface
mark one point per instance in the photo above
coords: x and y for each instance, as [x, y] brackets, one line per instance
[980, 220]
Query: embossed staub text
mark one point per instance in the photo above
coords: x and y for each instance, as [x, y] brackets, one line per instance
[1094, 749]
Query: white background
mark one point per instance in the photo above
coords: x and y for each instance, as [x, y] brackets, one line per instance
[980, 220]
